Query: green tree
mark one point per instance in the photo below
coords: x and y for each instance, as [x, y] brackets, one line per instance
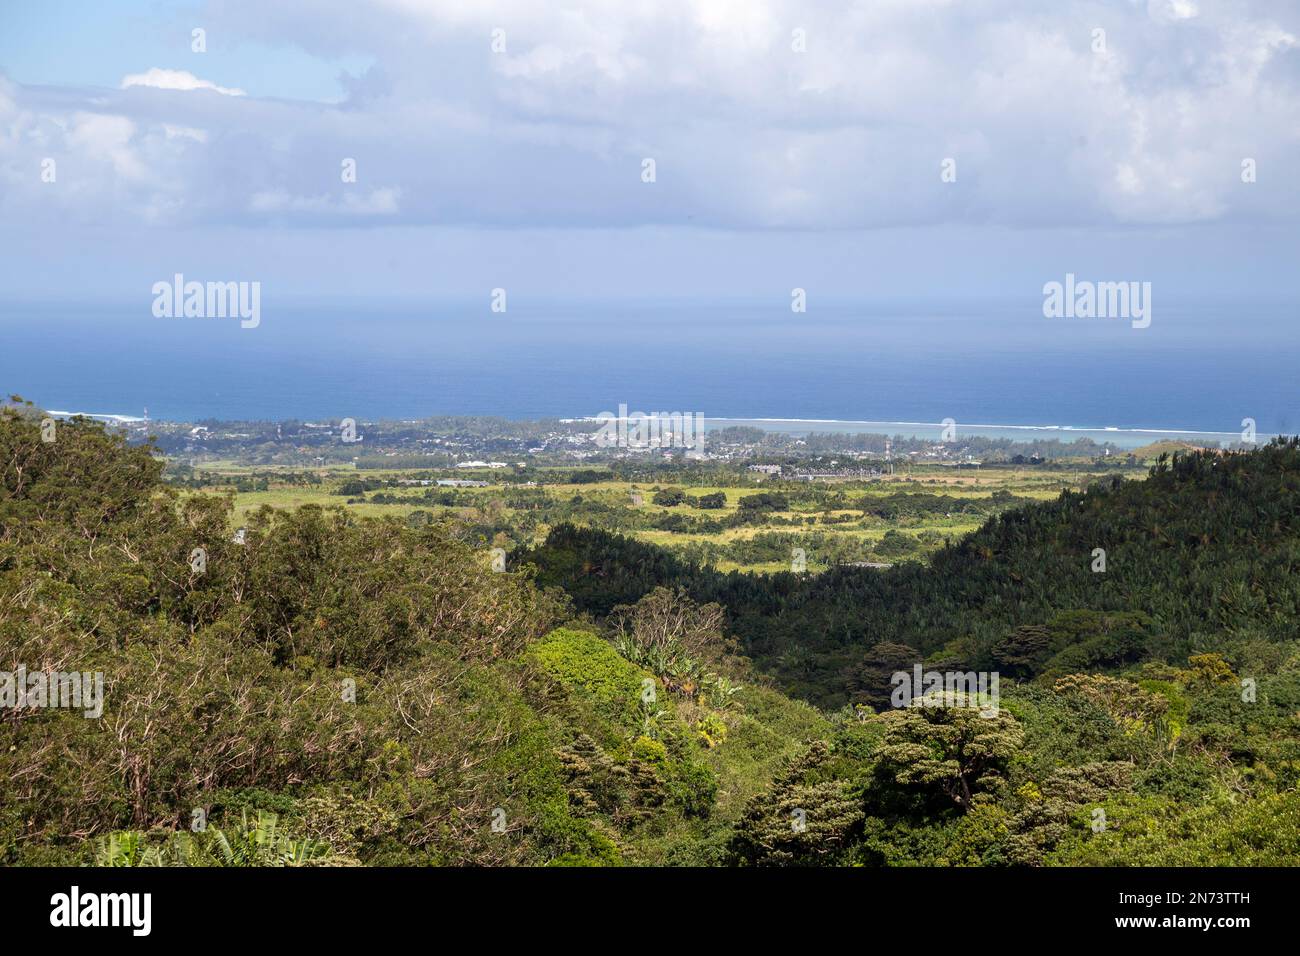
[872, 682]
[949, 747]
[801, 819]
[669, 497]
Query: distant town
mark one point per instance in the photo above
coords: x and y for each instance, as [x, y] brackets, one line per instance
[480, 447]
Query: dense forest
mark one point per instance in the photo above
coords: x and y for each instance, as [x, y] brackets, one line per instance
[1199, 557]
[316, 688]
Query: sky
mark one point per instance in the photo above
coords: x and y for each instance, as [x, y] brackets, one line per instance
[880, 149]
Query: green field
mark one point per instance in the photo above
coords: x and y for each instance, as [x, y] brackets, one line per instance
[831, 520]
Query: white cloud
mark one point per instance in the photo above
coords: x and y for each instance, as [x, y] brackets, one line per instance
[161, 79]
[1173, 9]
[746, 132]
[108, 137]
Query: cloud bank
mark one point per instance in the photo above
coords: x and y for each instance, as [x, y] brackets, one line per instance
[758, 114]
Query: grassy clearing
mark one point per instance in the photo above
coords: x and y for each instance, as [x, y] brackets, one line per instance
[831, 508]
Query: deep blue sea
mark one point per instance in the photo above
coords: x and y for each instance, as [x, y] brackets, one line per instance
[1198, 367]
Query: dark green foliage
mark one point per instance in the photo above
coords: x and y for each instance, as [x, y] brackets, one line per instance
[802, 819]
[669, 497]
[1202, 551]
[871, 682]
[1023, 652]
[710, 502]
[764, 501]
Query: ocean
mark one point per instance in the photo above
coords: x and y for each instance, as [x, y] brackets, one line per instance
[1001, 366]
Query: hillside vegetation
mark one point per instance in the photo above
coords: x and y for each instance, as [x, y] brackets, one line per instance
[329, 689]
[1199, 557]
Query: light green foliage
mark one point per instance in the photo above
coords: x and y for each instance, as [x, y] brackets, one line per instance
[256, 842]
[1159, 832]
[588, 668]
[636, 767]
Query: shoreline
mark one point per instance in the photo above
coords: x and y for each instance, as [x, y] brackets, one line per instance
[1127, 437]
[1121, 437]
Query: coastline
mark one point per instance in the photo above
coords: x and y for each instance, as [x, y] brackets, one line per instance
[1119, 437]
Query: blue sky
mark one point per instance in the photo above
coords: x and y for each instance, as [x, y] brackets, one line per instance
[795, 144]
[97, 43]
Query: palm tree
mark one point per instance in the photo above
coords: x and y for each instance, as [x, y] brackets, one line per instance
[259, 843]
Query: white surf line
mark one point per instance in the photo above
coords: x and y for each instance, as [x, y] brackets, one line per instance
[1105, 429]
[111, 417]
[1068, 428]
